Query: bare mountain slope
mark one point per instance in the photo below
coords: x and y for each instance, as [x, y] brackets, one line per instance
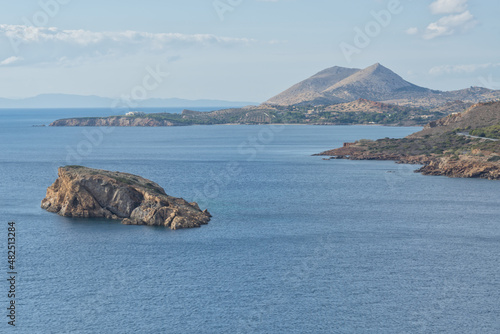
[376, 83]
[313, 87]
[373, 83]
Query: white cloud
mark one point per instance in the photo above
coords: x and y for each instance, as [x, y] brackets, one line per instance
[10, 61]
[450, 24]
[412, 31]
[459, 19]
[448, 6]
[27, 34]
[458, 69]
[40, 44]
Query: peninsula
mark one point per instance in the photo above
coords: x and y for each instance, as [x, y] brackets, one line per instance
[82, 192]
[334, 96]
[460, 145]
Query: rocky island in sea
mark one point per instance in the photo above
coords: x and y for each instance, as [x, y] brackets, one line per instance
[460, 145]
[83, 192]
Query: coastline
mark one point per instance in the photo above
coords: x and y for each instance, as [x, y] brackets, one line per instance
[123, 121]
[462, 166]
[444, 147]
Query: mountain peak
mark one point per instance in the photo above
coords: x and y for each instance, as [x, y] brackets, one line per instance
[312, 88]
[375, 83]
[378, 68]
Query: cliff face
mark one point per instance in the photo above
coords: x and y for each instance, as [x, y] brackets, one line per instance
[92, 193]
[465, 166]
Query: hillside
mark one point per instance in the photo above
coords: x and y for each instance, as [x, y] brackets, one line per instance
[313, 87]
[356, 112]
[445, 147]
[478, 116]
[363, 105]
[376, 83]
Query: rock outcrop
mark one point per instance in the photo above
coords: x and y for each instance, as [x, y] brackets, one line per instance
[83, 192]
[463, 166]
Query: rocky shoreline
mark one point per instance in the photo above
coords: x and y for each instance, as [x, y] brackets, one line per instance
[463, 166]
[82, 192]
[444, 147]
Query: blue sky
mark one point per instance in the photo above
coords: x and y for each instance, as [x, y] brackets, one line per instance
[246, 50]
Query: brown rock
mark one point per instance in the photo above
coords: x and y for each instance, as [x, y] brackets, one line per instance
[465, 166]
[92, 193]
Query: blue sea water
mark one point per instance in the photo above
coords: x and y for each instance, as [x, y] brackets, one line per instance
[296, 244]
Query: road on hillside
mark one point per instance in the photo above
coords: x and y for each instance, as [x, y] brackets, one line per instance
[470, 136]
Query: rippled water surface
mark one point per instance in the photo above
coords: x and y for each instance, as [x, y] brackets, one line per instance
[296, 244]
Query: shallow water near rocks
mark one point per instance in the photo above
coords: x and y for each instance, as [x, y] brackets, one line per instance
[296, 244]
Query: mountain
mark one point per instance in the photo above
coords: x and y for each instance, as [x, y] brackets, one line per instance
[373, 83]
[79, 101]
[312, 88]
[377, 83]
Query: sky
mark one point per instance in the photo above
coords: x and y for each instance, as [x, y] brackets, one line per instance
[239, 50]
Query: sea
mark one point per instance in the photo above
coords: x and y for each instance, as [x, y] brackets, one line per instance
[297, 244]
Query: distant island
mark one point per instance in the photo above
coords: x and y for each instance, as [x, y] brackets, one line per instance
[83, 192]
[335, 96]
[459, 145]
